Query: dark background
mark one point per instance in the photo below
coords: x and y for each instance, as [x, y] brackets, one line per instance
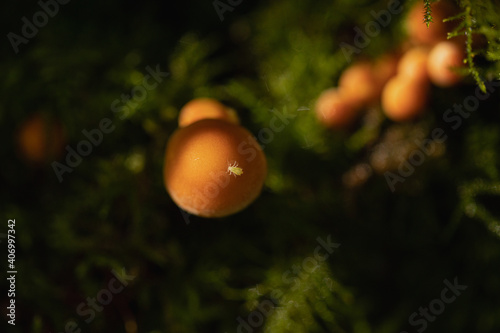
[200, 275]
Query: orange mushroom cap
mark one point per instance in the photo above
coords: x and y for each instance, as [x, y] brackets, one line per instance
[437, 30]
[385, 67]
[214, 168]
[40, 139]
[359, 82]
[335, 109]
[443, 58]
[413, 64]
[206, 108]
[404, 99]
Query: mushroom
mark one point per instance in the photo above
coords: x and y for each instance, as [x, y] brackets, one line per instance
[404, 98]
[413, 64]
[337, 110]
[420, 33]
[40, 139]
[213, 168]
[359, 82]
[443, 58]
[206, 108]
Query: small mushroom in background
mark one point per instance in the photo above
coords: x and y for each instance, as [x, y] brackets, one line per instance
[437, 31]
[40, 139]
[404, 99]
[335, 109]
[359, 82]
[385, 67]
[206, 108]
[413, 64]
[443, 58]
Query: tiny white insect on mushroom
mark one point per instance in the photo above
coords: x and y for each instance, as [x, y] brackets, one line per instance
[234, 170]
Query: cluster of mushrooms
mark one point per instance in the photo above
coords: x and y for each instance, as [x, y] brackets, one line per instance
[213, 166]
[399, 81]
